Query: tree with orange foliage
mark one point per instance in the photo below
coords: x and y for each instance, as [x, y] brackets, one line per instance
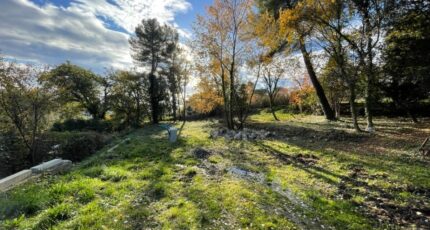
[304, 94]
[222, 49]
[207, 98]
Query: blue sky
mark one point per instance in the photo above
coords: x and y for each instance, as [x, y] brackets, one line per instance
[91, 33]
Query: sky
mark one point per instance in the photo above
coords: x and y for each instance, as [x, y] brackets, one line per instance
[90, 33]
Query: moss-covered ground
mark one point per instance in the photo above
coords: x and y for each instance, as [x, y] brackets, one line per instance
[316, 174]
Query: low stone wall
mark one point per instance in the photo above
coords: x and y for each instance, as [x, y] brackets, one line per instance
[53, 166]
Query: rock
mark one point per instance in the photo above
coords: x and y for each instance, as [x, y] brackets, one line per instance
[370, 130]
[238, 136]
[214, 134]
[245, 134]
[222, 131]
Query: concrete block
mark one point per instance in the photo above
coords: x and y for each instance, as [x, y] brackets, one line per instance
[46, 166]
[15, 179]
[64, 166]
[173, 134]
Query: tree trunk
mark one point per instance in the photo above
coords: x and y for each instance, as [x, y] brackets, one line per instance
[138, 104]
[412, 115]
[174, 106]
[139, 112]
[225, 97]
[328, 112]
[353, 107]
[271, 108]
[369, 96]
[153, 98]
[369, 73]
[232, 97]
[408, 110]
[184, 112]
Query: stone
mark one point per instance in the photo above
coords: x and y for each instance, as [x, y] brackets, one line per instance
[238, 136]
[244, 134]
[214, 134]
[46, 166]
[15, 179]
[173, 134]
[370, 129]
[222, 131]
[55, 165]
[66, 165]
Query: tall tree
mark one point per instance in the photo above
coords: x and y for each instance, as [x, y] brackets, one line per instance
[365, 22]
[25, 104]
[174, 68]
[293, 29]
[128, 97]
[340, 64]
[407, 56]
[219, 43]
[149, 48]
[72, 83]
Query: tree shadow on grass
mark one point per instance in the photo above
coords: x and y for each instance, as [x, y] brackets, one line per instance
[378, 202]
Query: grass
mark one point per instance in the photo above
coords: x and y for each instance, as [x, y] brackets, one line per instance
[333, 176]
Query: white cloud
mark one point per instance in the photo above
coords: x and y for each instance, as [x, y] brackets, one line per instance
[52, 34]
[128, 13]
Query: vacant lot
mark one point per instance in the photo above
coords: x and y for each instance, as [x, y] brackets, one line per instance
[307, 174]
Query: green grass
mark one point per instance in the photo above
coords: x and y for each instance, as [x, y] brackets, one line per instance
[266, 116]
[148, 183]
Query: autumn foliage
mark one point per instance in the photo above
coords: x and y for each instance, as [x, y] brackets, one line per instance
[207, 98]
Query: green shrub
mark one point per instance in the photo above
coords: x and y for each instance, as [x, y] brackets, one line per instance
[76, 146]
[13, 154]
[83, 125]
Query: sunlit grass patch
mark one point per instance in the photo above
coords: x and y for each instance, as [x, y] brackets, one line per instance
[265, 115]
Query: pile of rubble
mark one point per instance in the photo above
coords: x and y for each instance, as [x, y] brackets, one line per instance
[244, 134]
